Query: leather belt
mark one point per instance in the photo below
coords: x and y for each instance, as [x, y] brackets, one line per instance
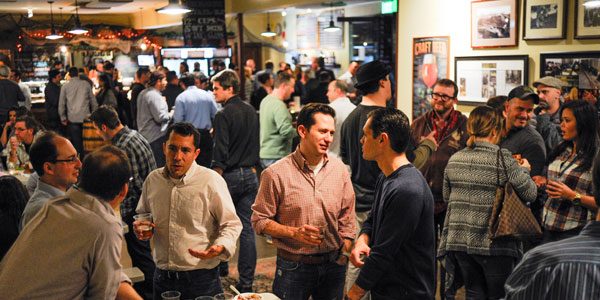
[309, 259]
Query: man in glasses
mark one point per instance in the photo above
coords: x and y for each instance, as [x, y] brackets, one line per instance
[57, 163]
[27, 129]
[450, 132]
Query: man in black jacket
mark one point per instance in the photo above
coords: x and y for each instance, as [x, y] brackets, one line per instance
[10, 93]
[51, 95]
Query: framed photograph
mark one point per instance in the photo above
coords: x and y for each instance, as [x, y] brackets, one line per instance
[545, 19]
[494, 23]
[579, 70]
[587, 20]
[430, 62]
[482, 77]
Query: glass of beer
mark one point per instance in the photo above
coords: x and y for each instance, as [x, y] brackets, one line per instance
[144, 224]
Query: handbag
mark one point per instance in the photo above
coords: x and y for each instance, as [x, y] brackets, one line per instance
[511, 218]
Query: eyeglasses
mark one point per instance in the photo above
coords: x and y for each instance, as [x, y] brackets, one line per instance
[443, 97]
[73, 159]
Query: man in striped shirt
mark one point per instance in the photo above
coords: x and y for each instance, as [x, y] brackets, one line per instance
[566, 269]
[306, 203]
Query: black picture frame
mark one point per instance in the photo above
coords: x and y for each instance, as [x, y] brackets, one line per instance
[575, 69]
[581, 32]
[482, 77]
[560, 21]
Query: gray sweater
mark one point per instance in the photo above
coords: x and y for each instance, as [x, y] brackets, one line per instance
[470, 189]
[76, 101]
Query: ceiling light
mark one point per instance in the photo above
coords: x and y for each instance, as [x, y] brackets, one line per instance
[63, 49]
[143, 46]
[174, 8]
[268, 32]
[331, 27]
[30, 13]
[77, 29]
[592, 4]
[283, 13]
[52, 35]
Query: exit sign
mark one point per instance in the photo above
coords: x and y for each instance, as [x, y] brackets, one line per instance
[389, 6]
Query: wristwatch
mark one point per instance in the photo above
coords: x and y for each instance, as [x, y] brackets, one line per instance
[577, 199]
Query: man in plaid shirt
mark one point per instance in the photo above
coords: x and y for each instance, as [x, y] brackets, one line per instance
[106, 121]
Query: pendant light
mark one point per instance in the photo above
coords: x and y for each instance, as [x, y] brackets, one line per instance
[52, 35]
[77, 29]
[174, 8]
[331, 27]
[268, 32]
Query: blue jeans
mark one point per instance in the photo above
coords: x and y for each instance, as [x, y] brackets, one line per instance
[243, 185]
[191, 284]
[299, 281]
[484, 276]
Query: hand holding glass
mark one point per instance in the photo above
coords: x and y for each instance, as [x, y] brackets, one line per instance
[143, 226]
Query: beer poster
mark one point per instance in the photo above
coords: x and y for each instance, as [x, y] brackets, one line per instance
[430, 63]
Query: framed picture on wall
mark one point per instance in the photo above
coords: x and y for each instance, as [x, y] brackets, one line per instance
[482, 77]
[494, 23]
[587, 20]
[430, 62]
[545, 19]
[579, 70]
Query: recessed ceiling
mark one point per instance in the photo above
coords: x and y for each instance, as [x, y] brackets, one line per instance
[85, 6]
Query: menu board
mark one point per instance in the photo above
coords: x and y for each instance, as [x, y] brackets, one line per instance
[306, 31]
[205, 25]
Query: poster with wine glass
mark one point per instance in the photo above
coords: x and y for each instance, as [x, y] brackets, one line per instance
[430, 63]
[482, 77]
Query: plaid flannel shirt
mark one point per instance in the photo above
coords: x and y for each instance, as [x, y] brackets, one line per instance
[561, 214]
[142, 163]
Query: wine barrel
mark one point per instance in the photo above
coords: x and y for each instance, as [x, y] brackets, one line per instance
[91, 139]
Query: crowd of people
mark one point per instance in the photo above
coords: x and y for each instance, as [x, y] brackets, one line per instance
[359, 202]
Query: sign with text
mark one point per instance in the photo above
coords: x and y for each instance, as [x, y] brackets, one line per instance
[430, 63]
[205, 25]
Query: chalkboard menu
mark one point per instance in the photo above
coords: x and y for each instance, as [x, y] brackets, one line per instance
[205, 25]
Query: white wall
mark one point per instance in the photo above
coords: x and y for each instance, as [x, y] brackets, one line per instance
[424, 18]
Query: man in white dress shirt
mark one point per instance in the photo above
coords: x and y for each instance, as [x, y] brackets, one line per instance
[336, 93]
[194, 219]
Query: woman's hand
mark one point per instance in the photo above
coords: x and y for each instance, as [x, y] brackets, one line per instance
[524, 163]
[557, 189]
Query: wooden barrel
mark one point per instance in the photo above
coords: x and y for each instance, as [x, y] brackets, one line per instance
[91, 139]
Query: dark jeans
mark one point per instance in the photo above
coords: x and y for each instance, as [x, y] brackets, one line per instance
[206, 148]
[243, 185]
[299, 281]
[141, 257]
[74, 132]
[484, 276]
[191, 284]
[553, 236]
[438, 223]
[157, 149]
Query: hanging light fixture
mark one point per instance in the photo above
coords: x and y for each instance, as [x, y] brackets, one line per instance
[268, 32]
[174, 8]
[52, 35]
[592, 4]
[77, 29]
[331, 27]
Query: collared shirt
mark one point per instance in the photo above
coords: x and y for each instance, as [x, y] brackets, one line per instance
[27, 94]
[276, 130]
[343, 107]
[142, 163]
[236, 136]
[152, 114]
[567, 269]
[292, 195]
[76, 101]
[196, 106]
[71, 249]
[42, 194]
[561, 214]
[194, 212]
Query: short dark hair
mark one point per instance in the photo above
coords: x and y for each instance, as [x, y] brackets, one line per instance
[306, 116]
[104, 172]
[53, 73]
[596, 179]
[13, 200]
[108, 83]
[228, 79]
[497, 102]
[185, 129]
[171, 75]
[263, 77]
[141, 71]
[185, 66]
[447, 83]
[187, 80]
[155, 77]
[269, 65]
[43, 150]
[30, 123]
[393, 122]
[108, 66]
[283, 78]
[73, 72]
[105, 115]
